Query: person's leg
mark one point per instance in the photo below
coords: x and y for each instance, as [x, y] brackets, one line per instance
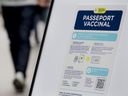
[44, 13]
[26, 22]
[18, 22]
[35, 25]
[27, 19]
[12, 20]
[11, 17]
[41, 15]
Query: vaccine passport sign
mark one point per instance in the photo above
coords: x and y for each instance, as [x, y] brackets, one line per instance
[91, 20]
[92, 51]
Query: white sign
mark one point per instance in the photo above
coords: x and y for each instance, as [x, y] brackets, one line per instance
[85, 50]
[92, 51]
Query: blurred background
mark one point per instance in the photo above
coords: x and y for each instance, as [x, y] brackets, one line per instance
[7, 73]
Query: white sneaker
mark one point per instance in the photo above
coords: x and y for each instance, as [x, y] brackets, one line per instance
[19, 82]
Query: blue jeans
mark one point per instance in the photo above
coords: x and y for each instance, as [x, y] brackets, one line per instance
[18, 22]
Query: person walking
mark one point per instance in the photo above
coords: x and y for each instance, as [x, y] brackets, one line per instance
[18, 18]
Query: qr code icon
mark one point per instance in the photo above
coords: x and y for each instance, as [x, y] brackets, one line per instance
[100, 84]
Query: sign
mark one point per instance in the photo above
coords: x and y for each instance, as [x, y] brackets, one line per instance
[84, 52]
[92, 51]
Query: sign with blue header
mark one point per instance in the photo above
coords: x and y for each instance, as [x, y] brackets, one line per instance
[89, 20]
[92, 52]
[84, 50]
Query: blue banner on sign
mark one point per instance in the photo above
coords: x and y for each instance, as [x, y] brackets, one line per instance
[94, 36]
[88, 20]
[97, 71]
